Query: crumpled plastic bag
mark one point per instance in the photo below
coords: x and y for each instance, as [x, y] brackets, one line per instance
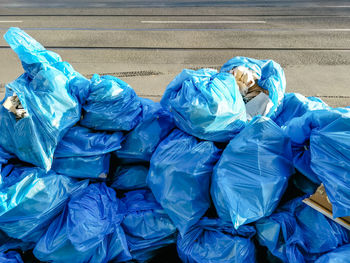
[296, 105]
[87, 229]
[146, 225]
[270, 76]
[112, 105]
[51, 111]
[142, 141]
[213, 240]
[49, 108]
[299, 233]
[206, 104]
[31, 199]
[322, 146]
[252, 173]
[330, 160]
[300, 129]
[179, 177]
[130, 177]
[10, 257]
[338, 255]
[83, 153]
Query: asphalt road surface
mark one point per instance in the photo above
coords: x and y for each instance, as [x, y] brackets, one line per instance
[147, 43]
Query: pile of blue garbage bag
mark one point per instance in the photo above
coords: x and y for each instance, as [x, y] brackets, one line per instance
[91, 172]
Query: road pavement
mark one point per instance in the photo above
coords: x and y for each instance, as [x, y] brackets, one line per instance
[147, 43]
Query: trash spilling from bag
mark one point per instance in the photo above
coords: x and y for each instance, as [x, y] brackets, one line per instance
[226, 168]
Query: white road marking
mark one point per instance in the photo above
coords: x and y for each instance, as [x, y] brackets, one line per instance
[336, 6]
[202, 22]
[14, 21]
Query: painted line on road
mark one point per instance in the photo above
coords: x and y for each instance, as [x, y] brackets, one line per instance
[13, 21]
[336, 6]
[189, 29]
[202, 22]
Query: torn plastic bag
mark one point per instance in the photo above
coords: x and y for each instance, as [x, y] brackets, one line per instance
[299, 233]
[296, 105]
[35, 57]
[252, 173]
[338, 255]
[213, 240]
[206, 104]
[10, 257]
[30, 200]
[270, 77]
[321, 152]
[112, 105]
[130, 177]
[49, 112]
[141, 142]
[179, 177]
[84, 153]
[87, 229]
[146, 225]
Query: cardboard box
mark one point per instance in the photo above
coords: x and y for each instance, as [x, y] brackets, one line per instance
[320, 202]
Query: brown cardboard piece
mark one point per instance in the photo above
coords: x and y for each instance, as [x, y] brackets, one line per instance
[320, 202]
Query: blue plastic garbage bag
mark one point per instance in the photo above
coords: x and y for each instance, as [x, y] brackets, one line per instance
[130, 177]
[51, 111]
[179, 177]
[252, 173]
[10, 257]
[213, 240]
[338, 255]
[112, 105]
[300, 129]
[206, 104]
[30, 200]
[35, 57]
[146, 225]
[271, 78]
[320, 150]
[296, 105]
[330, 160]
[141, 142]
[298, 233]
[87, 229]
[49, 106]
[84, 153]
